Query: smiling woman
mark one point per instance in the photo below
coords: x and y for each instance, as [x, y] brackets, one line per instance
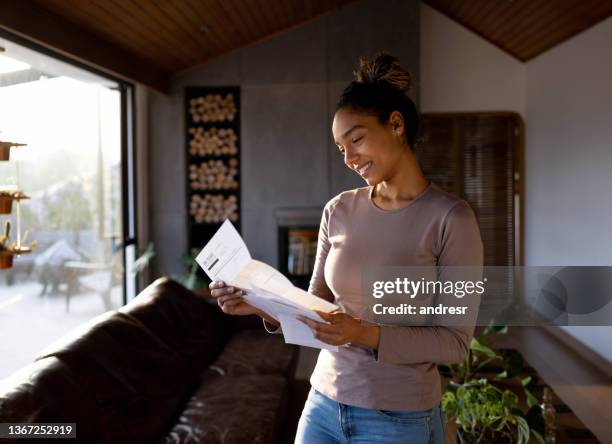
[382, 385]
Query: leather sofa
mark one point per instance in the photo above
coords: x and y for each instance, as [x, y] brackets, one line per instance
[168, 367]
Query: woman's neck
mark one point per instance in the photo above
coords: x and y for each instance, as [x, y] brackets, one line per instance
[405, 184]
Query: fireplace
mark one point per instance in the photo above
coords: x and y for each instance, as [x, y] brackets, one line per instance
[298, 230]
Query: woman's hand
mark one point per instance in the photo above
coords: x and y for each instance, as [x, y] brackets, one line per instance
[341, 328]
[230, 300]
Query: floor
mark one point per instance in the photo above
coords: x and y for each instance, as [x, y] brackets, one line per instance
[30, 322]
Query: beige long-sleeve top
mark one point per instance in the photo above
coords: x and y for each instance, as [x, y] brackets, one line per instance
[436, 228]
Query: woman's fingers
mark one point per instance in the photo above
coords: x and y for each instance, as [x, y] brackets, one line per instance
[318, 327]
[228, 297]
[216, 284]
[218, 292]
[232, 302]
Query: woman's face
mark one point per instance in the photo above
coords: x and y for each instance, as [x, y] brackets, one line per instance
[371, 149]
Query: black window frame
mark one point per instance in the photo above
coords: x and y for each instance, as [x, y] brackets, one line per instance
[129, 194]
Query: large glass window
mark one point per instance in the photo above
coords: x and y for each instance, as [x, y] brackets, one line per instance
[74, 124]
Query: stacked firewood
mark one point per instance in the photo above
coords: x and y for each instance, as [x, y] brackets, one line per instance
[214, 175]
[213, 108]
[212, 141]
[213, 208]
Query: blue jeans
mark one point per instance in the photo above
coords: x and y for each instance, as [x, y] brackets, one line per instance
[325, 421]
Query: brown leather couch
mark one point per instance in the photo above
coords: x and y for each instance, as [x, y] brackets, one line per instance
[168, 367]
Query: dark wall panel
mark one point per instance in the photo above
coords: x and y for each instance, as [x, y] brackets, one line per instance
[290, 85]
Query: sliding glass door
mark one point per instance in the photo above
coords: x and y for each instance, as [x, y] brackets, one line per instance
[76, 172]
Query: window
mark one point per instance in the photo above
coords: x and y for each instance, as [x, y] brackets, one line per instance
[76, 171]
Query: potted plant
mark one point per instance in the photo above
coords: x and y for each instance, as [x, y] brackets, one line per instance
[8, 251]
[193, 278]
[5, 149]
[6, 257]
[486, 414]
[481, 395]
[6, 200]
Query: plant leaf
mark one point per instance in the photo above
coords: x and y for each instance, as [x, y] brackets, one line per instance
[498, 329]
[523, 430]
[531, 399]
[538, 437]
[478, 347]
[513, 364]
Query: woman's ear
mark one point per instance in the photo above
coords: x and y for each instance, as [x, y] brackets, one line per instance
[397, 123]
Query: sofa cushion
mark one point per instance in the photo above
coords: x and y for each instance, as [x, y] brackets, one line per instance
[250, 352]
[232, 410]
[131, 375]
[183, 320]
[48, 391]
[143, 362]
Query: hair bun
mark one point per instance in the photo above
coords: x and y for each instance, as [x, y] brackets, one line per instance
[384, 68]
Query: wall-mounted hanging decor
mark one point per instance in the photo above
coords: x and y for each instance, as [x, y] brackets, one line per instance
[7, 197]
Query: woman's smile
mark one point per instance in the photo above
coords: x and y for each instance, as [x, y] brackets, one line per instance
[364, 169]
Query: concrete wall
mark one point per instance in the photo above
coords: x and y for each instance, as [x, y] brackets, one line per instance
[289, 86]
[568, 208]
[461, 71]
[565, 98]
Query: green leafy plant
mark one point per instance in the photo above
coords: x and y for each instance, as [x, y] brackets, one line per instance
[483, 412]
[193, 278]
[4, 238]
[486, 414]
[144, 259]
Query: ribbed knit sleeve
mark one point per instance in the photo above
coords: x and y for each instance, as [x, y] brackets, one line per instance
[459, 244]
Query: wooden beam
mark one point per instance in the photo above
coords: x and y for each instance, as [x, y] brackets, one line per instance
[31, 21]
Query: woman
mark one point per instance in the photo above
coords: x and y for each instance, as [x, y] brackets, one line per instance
[383, 385]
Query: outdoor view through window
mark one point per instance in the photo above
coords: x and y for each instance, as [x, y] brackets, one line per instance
[70, 121]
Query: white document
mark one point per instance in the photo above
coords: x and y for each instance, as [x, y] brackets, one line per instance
[226, 258]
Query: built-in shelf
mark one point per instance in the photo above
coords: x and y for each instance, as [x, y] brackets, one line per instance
[298, 230]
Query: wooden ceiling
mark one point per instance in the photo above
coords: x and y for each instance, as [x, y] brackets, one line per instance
[525, 28]
[155, 39]
[150, 41]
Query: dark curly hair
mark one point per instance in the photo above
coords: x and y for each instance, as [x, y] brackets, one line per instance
[382, 86]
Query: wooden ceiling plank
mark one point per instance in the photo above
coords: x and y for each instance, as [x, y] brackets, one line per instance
[277, 14]
[566, 30]
[470, 26]
[236, 10]
[137, 10]
[460, 9]
[481, 16]
[308, 8]
[42, 26]
[252, 16]
[542, 22]
[232, 26]
[256, 12]
[562, 22]
[212, 21]
[180, 27]
[212, 45]
[143, 45]
[165, 50]
[469, 9]
[495, 19]
[266, 15]
[287, 7]
[514, 22]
